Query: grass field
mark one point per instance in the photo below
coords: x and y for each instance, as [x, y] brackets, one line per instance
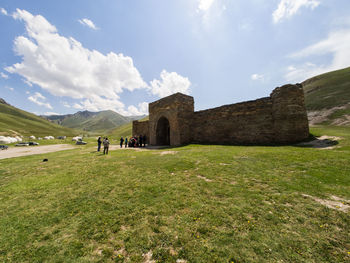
[194, 203]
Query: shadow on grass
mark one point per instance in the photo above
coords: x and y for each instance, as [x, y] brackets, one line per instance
[318, 143]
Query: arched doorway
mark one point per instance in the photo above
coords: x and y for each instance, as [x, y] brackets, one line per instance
[163, 131]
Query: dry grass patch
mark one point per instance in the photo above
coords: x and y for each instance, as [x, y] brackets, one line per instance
[204, 178]
[337, 203]
[168, 152]
[147, 258]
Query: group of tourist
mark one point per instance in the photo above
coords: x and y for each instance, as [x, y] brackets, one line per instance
[135, 141]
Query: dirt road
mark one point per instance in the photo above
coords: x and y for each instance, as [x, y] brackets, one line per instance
[30, 150]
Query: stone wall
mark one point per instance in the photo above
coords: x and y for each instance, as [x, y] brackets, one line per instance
[279, 118]
[140, 128]
[242, 123]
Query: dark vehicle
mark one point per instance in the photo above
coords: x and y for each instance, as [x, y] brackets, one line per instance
[80, 142]
[3, 147]
[27, 144]
[22, 144]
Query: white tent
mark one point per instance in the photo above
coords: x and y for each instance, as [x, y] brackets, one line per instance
[8, 139]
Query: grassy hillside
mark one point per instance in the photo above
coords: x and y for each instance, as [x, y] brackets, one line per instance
[71, 120]
[327, 97]
[104, 120]
[123, 130]
[16, 121]
[92, 121]
[328, 90]
[197, 203]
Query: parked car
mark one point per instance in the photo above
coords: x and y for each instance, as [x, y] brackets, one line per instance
[33, 143]
[22, 144]
[80, 142]
[3, 147]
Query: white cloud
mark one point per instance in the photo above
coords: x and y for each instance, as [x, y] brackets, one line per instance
[27, 92]
[210, 12]
[170, 83]
[77, 106]
[39, 99]
[288, 8]
[48, 113]
[3, 11]
[337, 44]
[27, 82]
[65, 68]
[246, 26]
[88, 22]
[65, 104]
[9, 88]
[4, 76]
[204, 5]
[257, 77]
[141, 110]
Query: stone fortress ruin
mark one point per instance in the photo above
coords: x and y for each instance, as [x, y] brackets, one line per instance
[278, 119]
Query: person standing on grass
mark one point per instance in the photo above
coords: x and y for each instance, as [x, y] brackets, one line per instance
[121, 142]
[140, 141]
[99, 142]
[126, 142]
[144, 139]
[105, 145]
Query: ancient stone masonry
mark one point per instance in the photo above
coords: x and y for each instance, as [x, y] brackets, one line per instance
[278, 119]
[140, 128]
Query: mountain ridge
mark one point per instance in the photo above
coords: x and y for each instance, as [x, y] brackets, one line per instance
[92, 121]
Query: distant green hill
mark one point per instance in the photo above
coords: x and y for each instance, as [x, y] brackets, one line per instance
[92, 121]
[15, 121]
[327, 97]
[124, 130]
[327, 90]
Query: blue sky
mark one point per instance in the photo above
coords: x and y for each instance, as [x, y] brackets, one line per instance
[64, 56]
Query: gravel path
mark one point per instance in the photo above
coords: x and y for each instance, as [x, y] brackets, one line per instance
[30, 150]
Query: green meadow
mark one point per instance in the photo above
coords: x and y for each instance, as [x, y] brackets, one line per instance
[196, 203]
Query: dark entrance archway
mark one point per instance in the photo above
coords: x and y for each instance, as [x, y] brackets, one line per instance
[163, 131]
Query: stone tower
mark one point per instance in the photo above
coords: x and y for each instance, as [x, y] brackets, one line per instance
[289, 114]
[170, 120]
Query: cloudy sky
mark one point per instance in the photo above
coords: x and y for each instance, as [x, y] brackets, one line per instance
[65, 56]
